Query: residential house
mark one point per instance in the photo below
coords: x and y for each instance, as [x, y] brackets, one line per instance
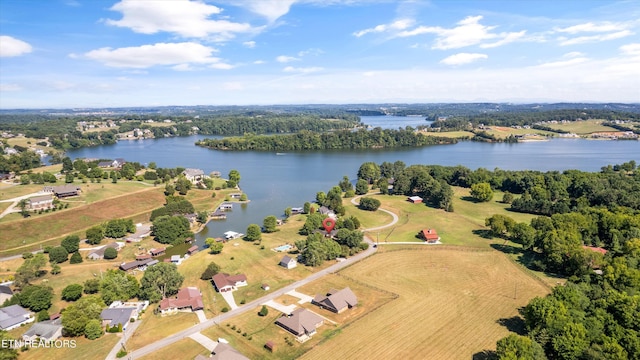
[415, 199]
[5, 293]
[63, 191]
[40, 202]
[98, 254]
[225, 282]
[136, 265]
[48, 330]
[323, 210]
[336, 300]
[14, 316]
[288, 262]
[187, 299]
[224, 351]
[301, 322]
[265, 287]
[118, 315]
[194, 175]
[430, 236]
[143, 256]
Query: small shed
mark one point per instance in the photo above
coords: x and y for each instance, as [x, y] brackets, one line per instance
[265, 287]
[270, 345]
[415, 199]
[192, 250]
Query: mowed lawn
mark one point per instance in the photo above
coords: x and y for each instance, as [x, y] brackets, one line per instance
[22, 234]
[582, 127]
[454, 228]
[451, 304]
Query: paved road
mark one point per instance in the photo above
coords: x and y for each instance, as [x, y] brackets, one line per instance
[255, 304]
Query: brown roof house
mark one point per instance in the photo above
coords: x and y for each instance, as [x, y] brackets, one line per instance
[187, 300]
[224, 351]
[430, 236]
[226, 282]
[336, 300]
[302, 323]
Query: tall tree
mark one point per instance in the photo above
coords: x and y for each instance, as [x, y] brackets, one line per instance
[76, 316]
[160, 281]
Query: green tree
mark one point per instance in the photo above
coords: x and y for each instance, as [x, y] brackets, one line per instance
[362, 187]
[500, 225]
[76, 258]
[93, 329]
[253, 232]
[36, 297]
[91, 286]
[67, 165]
[118, 228]
[263, 311]
[72, 292]
[29, 270]
[345, 184]
[7, 352]
[507, 198]
[114, 177]
[160, 281]
[287, 212]
[369, 203]
[55, 269]
[321, 197]
[270, 224]
[71, 243]
[183, 185]
[482, 192]
[306, 208]
[514, 347]
[76, 316]
[369, 172]
[215, 247]
[211, 270]
[171, 229]
[110, 253]
[95, 235]
[58, 254]
[233, 178]
[118, 285]
[169, 190]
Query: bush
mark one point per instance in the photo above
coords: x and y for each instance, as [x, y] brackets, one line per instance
[225, 309]
[110, 253]
[72, 292]
[369, 204]
[76, 258]
[211, 270]
[27, 255]
[264, 311]
[122, 353]
[58, 254]
[93, 329]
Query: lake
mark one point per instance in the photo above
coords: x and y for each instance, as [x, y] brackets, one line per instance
[274, 182]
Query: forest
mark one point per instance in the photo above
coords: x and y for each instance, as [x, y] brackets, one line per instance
[588, 231]
[344, 139]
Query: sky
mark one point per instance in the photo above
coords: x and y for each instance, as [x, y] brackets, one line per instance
[109, 53]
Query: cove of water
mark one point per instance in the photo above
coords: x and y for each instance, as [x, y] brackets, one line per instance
[274, 181]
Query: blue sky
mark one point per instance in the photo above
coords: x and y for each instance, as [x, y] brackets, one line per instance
[102, 53]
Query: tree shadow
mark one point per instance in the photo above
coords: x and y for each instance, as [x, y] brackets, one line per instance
[483, 233]
[469, 198]
[485, 355]
[507, 249]
[514, 324]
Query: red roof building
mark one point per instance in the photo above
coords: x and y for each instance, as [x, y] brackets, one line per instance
[226, 282]
[595, 249]
[430, 235]
[187, 299]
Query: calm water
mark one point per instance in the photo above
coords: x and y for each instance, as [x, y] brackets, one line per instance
[274, 182]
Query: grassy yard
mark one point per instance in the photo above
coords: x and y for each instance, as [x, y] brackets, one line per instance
[155, 327]
[582, 127]
[84, 349]
[452, 304]
[259, 330]
[183, 349]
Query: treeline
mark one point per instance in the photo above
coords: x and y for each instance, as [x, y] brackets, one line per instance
[307, 140]
[18, 162]
[530, 118]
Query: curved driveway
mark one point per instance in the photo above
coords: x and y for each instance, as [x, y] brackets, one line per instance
[253, 305]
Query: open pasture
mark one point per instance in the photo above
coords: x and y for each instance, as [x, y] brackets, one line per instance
[582, 127]
[452, 304]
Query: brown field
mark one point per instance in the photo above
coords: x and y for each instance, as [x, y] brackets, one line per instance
[84, 350]
[156, 327]
[451, 305]
[183, 349]
[582, 127]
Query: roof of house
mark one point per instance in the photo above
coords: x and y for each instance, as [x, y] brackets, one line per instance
[221, 280]
[100, 251]
[143, 256]
[193, 172]
[12, 315]
[430, 234]
[5, 290]
[300, 321]
[40, 198]
[224, 351]
[157, 251]
[286, 260]
[68, 188]
[415, 198]
[186, 297]
[595, 249]
[117, 315]
[337, 299]
[134, 264]
[105, 163]
[192, 249]
[44, 329]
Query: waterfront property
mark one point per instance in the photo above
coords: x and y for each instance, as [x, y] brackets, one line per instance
[231, 235]
[194, 175]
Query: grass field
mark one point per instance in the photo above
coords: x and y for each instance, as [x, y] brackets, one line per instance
[84, 349]
[183, 349]
[155, 327]
[452, 304]
[582, 127]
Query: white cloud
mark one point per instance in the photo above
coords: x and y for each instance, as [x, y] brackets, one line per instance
[259, 62]
[183, 17]
[10, 87]
[286, 59]
[304, 70]
[10, 46]
[631, 49]
[462, 58]
[152, 55]
[221, 66]
[591, 27]
[572, 54]
[312, 51]
[468, 32]
[594, 38]
[249, 44]
[564, 63]
[270, 9]
[396, 25]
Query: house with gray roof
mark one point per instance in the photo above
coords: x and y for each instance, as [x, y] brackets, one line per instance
[288, 262]
[13, 316]
[48, 330]
[118, 315]
[336, 300]
[301, 323]
[193, 175]
[5, 293]
[224, 351]
[98, 254]
[40, 202]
